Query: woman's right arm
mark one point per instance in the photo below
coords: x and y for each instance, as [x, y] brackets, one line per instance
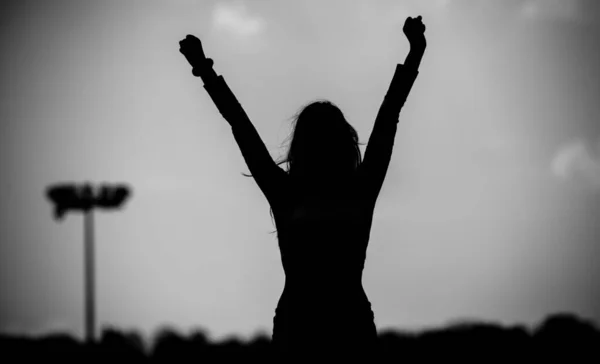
[269, 177]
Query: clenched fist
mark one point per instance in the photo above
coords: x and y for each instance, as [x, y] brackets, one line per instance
[414, 29]
[191, 48]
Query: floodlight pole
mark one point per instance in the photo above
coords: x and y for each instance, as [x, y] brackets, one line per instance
[65, 197]
[90, 314]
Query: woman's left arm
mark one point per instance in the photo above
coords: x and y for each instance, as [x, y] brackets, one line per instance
[378, 153]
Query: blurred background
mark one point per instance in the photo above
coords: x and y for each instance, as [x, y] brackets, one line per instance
[491, 205]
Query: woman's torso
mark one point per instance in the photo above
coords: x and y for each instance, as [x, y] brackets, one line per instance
[323, 242]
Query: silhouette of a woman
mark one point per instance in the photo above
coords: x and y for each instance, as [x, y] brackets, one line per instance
[322, 205]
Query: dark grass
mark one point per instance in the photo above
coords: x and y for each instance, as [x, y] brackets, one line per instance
[558, 337]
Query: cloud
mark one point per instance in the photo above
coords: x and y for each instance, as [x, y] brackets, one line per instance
[563, 10]
[576, 160]
[441, 3]
[235, 19]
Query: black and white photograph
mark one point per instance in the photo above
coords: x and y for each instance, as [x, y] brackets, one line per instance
[381, 181]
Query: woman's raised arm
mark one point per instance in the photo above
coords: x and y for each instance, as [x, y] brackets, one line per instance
[378, 153]
[269, 177]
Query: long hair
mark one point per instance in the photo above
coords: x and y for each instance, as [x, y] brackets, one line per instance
[321, 139]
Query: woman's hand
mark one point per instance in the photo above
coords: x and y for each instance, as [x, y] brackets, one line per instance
[191, 48]
[414, 29]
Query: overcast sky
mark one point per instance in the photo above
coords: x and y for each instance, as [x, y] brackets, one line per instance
[491, 205]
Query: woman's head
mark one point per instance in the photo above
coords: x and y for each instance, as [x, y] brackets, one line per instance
[322, 144]
[323, 150]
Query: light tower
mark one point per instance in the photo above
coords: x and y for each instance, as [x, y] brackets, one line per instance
[71, 197]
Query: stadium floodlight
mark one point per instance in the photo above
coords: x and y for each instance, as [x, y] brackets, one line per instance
[68, 197]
